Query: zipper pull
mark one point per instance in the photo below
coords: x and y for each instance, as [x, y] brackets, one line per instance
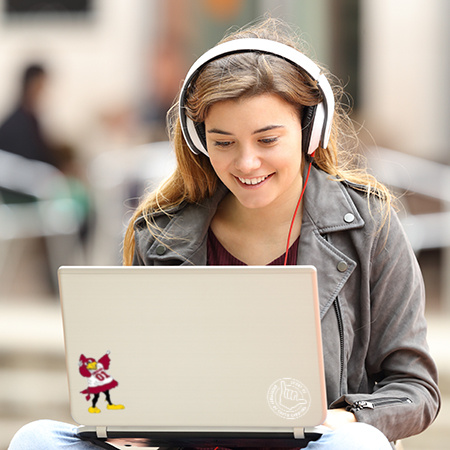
[362, 404]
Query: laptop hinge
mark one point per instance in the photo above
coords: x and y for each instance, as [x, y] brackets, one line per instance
[299, 433]
[101, 432]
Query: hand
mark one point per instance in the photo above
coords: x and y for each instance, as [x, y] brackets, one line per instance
[338, 417]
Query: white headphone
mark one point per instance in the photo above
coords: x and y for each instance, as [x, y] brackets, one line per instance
[318, 128]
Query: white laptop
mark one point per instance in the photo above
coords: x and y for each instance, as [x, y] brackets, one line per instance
[194, 356]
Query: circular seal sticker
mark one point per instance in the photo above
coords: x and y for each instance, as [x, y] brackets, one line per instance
[288, 398]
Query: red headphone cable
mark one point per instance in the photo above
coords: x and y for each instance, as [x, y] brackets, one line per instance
[296, 209]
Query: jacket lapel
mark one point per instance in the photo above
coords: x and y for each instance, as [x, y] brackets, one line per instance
[327, 209]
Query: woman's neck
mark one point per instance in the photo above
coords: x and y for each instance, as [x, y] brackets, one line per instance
[255, 236]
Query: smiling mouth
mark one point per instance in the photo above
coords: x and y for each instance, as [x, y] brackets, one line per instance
[253, 181]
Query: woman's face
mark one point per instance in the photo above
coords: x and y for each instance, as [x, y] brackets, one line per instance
[255, 147]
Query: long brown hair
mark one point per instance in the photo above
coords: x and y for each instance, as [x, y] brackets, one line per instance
[245, 75]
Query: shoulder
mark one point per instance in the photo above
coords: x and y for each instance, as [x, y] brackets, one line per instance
[383, 224]
[151, 225]
[373, 203]
[186, 212]
[366, 213]
[182, 229]
[155, 219]
[334, 204]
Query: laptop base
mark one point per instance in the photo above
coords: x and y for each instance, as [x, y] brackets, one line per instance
[119, 440]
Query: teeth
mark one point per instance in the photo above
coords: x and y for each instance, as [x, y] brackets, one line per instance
[252, 181]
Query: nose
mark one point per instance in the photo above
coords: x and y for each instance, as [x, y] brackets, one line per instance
[247, 160]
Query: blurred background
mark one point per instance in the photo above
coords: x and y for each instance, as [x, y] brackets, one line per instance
[84, 89]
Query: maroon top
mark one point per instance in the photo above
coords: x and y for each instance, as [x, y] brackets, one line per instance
[219, 256]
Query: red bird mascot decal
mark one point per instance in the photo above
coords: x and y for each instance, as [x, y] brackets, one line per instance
[98, 380]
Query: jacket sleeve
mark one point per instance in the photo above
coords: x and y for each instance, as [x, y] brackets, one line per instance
[405, 398]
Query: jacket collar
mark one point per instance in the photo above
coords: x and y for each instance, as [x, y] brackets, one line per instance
[327, 207]
[328, 204]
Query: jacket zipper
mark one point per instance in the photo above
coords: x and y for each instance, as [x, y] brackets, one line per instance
[364, 404]
[340, 323]
[341, 340]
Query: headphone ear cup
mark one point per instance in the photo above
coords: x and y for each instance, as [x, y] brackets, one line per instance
[201, 133]
[195, 135]
[307, 124]
[314, 118]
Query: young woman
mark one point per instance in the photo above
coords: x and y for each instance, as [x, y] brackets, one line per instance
[264, 177]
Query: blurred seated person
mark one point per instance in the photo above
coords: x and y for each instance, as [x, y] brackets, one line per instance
[20, 132]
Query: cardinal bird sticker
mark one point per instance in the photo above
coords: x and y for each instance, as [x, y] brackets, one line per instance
[98, 381]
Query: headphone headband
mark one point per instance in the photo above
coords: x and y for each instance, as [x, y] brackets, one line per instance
[323, 115]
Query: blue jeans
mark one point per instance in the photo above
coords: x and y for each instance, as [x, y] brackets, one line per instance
[48, 435]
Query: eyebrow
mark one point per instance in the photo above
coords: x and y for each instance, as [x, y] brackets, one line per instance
[261, 130]
[217, 131]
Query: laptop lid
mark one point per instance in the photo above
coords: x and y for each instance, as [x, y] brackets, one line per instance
[213, 350]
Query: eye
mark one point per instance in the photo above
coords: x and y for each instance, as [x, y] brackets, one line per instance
[269, 141]
[222, 144]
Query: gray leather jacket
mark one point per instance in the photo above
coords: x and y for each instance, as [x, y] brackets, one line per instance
[372, 299]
